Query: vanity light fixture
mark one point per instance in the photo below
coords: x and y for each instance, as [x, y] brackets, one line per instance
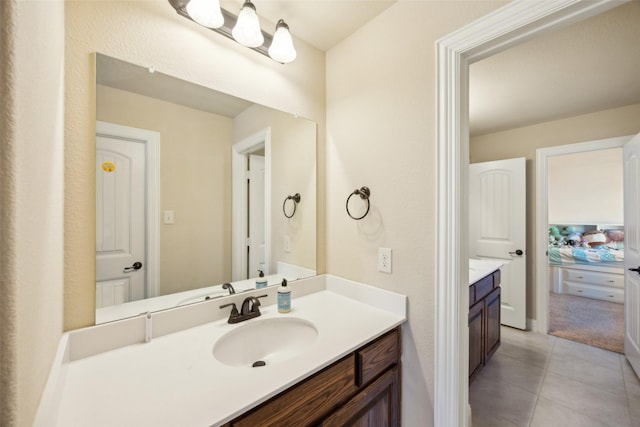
[206, 13]
[247, 29]
[244, 28]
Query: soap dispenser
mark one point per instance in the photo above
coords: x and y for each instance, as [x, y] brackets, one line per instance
[284, 297]
[261, 281]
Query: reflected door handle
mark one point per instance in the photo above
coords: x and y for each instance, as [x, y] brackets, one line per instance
[134, 267]
[637, 270]
[517, 252]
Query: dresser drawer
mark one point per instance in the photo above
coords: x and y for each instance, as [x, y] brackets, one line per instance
[592, 291]
[594, 278]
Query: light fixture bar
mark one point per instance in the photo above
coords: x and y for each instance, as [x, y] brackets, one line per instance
[229, 22]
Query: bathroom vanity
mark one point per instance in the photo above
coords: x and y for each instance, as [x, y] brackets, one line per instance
[334, 359]
[361, 387]
[484, 313]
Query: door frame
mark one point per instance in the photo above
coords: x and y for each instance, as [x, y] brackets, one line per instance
[512, 24]
[151, 140]
[542, 220]
[240, 207]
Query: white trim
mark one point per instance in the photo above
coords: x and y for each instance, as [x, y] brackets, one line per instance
[542, 221]
[151, 140]
[239, 162]
[506, 27]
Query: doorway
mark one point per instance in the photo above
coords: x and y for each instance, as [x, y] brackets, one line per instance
[506, 27]
[573, 278]
[251, 230]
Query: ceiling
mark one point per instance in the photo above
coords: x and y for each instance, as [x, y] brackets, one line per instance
[590, 66]
[321, 23]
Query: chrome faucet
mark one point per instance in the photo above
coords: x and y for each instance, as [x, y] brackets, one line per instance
[250, 309]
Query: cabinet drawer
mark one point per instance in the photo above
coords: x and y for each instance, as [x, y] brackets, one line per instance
[308, 401]
[373, 359]
[483, 287]
[496, 278]
[594, 278]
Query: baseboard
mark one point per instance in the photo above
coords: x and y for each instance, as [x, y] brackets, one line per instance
[532, 325]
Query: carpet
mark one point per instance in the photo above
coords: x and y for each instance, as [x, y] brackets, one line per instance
[589, 321]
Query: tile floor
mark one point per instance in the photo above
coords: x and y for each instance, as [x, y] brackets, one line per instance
[536, 380]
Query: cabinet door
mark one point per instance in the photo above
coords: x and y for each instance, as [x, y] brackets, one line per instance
[375, 406]
[476, 339]
[492, 308]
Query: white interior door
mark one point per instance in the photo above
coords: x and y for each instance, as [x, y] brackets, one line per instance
[497, 229]
[631, 152]
[120, 221]
[256, 241]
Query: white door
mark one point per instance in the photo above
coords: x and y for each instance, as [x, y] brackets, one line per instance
[120, 221]
[631, 152]
[497, 229]
[257, 224]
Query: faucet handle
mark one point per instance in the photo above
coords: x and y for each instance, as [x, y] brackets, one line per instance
[256, 303]
[234, 315]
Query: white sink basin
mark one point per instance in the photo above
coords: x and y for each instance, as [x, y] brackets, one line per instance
[264, 340]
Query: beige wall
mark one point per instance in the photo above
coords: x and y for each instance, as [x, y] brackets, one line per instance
[293, 170]
[31, 201]
[151, 33]
[381, 121]
[523, 142]
[586, 188]
[195, 183]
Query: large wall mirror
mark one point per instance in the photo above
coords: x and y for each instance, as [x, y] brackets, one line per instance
[194, 189]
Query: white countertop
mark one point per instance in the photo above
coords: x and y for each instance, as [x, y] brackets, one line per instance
[174, 380]
[479, 268]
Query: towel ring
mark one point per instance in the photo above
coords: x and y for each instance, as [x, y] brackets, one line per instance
[296, 199]
[364, 194]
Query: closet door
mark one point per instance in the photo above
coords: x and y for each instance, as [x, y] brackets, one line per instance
[497, 229]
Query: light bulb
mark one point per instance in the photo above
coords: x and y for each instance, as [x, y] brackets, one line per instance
[206, 13]
[247, 29]
[281, 48]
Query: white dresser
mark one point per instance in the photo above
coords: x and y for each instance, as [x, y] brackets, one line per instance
[591, 281]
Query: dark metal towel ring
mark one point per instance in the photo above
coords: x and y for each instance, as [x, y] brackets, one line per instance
[296, 200]
[364, 194]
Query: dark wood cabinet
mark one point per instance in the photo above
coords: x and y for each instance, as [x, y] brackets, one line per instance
[484, 322]
[362, 389]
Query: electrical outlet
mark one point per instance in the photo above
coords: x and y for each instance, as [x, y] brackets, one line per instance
[287, 244]
[384, 260]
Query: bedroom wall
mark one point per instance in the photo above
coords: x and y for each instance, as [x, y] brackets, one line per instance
[523, 142]
[586, 188]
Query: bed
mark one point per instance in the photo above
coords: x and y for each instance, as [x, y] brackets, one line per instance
[593, 272]
[563, 255]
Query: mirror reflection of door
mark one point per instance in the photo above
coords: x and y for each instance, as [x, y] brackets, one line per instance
[256, 212]
[120, 221]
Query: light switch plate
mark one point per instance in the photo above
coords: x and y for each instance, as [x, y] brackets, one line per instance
[168, 217]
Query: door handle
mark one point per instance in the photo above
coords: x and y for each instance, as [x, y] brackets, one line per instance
[637, 270]
[136, 266]
[517, 252]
